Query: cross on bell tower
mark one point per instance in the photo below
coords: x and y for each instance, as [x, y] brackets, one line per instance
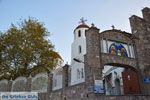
[82, 21]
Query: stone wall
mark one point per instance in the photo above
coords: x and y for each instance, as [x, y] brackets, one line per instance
[141, 30]
[114, 60]
[77, 93]
[40, 83]
[117, 35]
[69, 93]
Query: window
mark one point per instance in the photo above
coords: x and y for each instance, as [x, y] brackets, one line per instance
[55, 82]
[78, 74]
[131, 49]
[79, 33]
[104, 45]
[80, 49]
[82, 73]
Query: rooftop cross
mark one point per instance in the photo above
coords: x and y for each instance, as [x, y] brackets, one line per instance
[93, 25]
[82, 20]
[113, 27]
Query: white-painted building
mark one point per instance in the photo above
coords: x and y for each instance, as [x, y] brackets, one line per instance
[78, 50]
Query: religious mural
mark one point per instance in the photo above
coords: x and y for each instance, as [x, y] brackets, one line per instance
[118, 49]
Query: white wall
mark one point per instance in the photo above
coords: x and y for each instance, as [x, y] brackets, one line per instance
[57, 79]
[78, 41]
[77, 69]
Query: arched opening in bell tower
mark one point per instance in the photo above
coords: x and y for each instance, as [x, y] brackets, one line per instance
[79, 33]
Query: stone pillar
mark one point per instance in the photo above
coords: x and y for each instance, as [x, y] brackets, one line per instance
[65, 81]
[49, 86]
[29, 84]
[141, 29]
[9, 87]
[146, 14]
[65, 76]
[50, 83]
[93, 47]
[92, 59]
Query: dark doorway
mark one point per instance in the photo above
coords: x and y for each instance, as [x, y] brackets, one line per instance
[117, 87]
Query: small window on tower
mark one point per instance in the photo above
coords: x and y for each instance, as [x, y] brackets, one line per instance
[80, 49]
[82, 73]
[79, 33]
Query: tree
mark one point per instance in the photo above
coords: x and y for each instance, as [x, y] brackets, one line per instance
[24, 50]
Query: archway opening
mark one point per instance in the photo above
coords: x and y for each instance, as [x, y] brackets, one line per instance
[120, 80]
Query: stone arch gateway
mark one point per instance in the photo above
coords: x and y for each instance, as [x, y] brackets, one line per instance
[112, 47]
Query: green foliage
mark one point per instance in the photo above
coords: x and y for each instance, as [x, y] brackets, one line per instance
[24, 50]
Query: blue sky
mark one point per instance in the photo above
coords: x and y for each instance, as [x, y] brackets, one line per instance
[62, 16]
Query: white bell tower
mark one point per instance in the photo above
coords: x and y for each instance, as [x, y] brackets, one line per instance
[78, 50]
